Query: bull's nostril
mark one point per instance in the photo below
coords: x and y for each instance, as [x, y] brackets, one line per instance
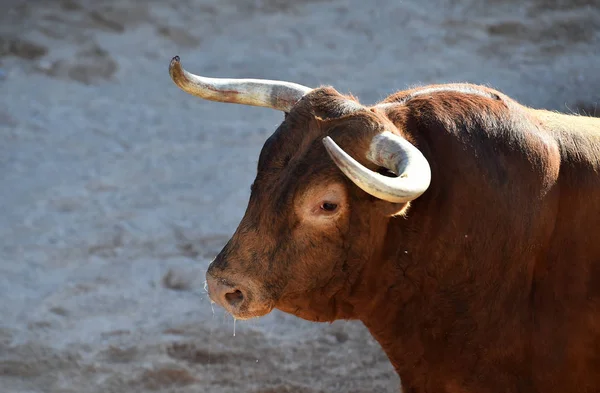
[234, 298]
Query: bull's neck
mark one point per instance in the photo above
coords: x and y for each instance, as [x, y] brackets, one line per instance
[395, 287]
[383, 314]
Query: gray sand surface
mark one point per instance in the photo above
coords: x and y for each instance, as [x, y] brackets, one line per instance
[117, 188]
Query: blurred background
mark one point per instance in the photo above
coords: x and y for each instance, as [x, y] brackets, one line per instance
[117, 188]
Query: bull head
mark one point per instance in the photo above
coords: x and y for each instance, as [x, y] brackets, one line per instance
[295, 247]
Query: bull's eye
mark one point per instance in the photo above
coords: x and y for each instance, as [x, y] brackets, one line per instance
[328, 206]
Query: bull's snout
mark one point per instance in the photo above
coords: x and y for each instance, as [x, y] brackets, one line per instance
[238, 292]
[228, 296]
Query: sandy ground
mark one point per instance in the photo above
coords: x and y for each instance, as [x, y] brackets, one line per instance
[117, 188]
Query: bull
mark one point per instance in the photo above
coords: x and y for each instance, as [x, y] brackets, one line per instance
[461, 227]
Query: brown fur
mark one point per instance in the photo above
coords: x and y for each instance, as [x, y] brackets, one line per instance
[488, 282]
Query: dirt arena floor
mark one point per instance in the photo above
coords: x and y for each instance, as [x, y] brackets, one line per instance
[117, 188]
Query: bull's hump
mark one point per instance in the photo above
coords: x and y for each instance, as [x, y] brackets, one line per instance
[458, 88]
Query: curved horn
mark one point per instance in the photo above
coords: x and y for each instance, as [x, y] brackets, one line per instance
[394, 153]
[256, 92]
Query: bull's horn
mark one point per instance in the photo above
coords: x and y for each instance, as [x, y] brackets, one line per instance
[256, 92]
[394, 153]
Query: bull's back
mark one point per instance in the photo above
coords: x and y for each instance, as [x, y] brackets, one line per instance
[567, 278]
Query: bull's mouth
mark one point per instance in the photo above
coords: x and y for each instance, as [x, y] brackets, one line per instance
[239, 301]
[250, 314]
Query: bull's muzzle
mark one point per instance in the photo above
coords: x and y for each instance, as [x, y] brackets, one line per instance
[225, 294]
